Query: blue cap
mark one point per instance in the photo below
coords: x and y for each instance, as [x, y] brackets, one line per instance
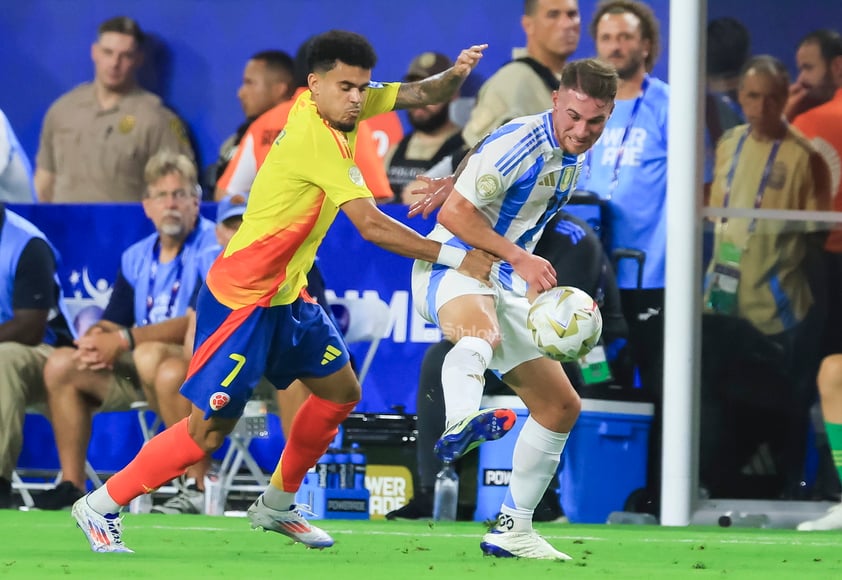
[233, 205]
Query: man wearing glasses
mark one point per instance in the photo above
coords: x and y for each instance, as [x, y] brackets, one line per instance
[157, 278]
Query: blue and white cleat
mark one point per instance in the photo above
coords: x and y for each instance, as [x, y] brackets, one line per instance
[503, 544]
[484, 425]
[104, 532]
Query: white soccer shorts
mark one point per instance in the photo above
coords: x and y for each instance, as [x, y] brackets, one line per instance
[434, 286]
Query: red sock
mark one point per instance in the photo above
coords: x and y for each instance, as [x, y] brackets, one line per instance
[314, 427]
[165, 456]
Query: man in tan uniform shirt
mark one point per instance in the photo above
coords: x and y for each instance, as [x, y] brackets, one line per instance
[97, 138]
[521, 87]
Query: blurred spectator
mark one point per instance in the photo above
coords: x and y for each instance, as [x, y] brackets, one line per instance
[814, 85]
[32, 322]
[267, 81]
[525, 85]
[761, 337]
[162, 368]
[15, 169]
[627, 168]
[728, 49]
[155, 283]
[96, 139]
[241, 171]
[434, 136]
[823, 126]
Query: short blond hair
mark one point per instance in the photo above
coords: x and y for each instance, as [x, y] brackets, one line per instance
[165, 162]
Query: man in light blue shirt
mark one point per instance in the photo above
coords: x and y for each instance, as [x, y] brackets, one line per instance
[627, 167]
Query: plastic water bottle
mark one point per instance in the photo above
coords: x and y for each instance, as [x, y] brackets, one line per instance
[324, 468]
[743, 520]
[358, 461]
[214, 496]
[446, 494]
[142, 504]
[343, 469]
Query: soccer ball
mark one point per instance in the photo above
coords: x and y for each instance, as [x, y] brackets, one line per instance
[565, 323]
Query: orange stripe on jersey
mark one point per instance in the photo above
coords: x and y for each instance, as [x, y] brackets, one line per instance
[252, 274]
[341, 141]
[210, 346]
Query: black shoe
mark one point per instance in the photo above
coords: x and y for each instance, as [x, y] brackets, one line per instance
[418, 508]
[549, 508]
[61, 496]
[5, 494]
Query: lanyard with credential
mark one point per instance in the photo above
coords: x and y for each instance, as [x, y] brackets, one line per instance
[764, 179]
[615, 176]
[153, 273]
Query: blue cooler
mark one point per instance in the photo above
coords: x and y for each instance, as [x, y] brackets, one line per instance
[603, 462]
[605, 459]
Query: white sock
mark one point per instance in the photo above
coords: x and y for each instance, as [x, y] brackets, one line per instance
[534, 464]
[278, 499]
[102, 502]
[462, 378]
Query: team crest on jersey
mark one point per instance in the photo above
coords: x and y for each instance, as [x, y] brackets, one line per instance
[567, 178]
[488, 186]
[219, 400]
[356, 176]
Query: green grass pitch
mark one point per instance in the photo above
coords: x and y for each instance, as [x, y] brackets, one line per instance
[48, 545]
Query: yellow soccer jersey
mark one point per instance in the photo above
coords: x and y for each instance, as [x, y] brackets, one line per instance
[308, 173]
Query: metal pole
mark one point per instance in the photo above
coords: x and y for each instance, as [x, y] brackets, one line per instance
[679, 480]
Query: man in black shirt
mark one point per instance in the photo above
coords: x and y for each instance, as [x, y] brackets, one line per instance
[32, 323]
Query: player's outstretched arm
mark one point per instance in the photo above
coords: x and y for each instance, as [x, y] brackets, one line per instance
[441, 87]
[380, 229]
[463, 220]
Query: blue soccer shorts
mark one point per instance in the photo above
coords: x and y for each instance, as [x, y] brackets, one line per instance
[234, 348]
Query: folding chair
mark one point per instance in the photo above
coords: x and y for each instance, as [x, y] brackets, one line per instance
[45, 475]
[363, 319]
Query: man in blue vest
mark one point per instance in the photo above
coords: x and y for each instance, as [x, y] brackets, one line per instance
[627, 168]
[149, 300]
[32, 323]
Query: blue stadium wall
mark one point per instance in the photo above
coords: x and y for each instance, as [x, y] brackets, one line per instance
[200, 46]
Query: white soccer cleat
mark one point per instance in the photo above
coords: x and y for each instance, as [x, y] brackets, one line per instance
[104, 532]
[290, 523]
[831, 520]
[519, 545]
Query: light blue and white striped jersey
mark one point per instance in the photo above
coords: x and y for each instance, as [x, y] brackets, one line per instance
[518, 179]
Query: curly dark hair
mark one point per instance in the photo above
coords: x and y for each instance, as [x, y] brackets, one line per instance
[334, 46]
[649, 27]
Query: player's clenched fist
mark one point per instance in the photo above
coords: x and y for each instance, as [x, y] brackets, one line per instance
[477, 264]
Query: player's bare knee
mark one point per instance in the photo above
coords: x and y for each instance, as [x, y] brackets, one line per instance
[347, 393]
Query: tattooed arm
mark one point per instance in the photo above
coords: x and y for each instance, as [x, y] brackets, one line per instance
[441, 87]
